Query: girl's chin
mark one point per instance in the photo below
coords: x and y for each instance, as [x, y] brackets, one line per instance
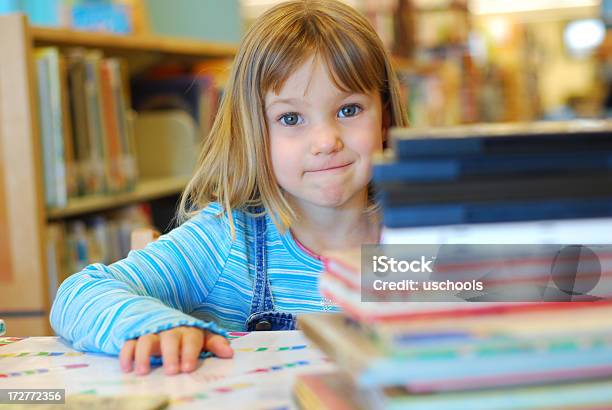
[328, 197]
[331, 200]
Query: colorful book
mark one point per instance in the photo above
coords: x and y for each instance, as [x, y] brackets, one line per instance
[326, 391]
[578, 185]
[593, 395]
[421, 306]
[455, 168]
[335, 390]
[468, 212]
[371, 367]
[496, 139]
[113, 154]
[562, 231]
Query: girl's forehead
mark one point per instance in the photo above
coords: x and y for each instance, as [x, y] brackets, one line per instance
[311, 71]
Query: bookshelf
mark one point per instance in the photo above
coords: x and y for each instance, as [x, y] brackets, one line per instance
[145, 190]
[151, 44]
[25, 296]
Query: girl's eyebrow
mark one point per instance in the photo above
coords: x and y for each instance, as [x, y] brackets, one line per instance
[298, 101]
[294, 101]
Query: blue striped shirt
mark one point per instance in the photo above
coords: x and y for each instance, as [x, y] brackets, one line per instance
[193, 276]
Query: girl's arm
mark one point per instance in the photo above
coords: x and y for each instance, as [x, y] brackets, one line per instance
[101, 307]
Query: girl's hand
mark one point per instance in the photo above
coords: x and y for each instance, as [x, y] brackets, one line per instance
[179, 348]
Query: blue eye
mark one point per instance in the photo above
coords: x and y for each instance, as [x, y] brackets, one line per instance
[349, 110]
[290, 119]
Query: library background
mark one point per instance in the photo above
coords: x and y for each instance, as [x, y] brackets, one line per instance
[103, 105]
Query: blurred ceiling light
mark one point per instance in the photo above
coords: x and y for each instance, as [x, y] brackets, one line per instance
[518, 6]
[582, 37]
[499, 28]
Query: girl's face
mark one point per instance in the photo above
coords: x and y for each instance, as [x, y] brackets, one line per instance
[322, 139]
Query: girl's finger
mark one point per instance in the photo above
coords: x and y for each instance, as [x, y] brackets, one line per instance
[144, 349]
[192, 341]
[169, 345]
[126, 356]
[218, 345]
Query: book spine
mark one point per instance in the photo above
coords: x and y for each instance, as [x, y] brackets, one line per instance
[452, 169]
[118, 77]
[465, 213]
[112, 129]
[55, 107]
[72, 187]
[95, 122]
[80, 119]
[46, 136]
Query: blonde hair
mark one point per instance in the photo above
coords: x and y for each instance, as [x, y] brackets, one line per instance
[234, 166]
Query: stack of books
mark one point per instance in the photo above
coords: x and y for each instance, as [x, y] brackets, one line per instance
[519, 359]
[496, 173]
[528, 188]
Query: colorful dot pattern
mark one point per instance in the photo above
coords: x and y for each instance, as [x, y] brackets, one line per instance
[280, 367]
[211, 393]
[237, 386]
[230, 388]
[30, 354]
[8, 340]
[270, 349]
[43, 370]
[236, 335]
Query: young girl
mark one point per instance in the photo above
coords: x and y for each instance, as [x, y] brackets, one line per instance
[283, 175]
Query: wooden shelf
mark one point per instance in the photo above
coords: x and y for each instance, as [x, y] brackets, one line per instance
[150, 43]
[144, 191]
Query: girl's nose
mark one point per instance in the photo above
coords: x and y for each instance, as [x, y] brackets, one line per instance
[326, 140]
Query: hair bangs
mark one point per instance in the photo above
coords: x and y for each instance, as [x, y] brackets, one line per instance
[354, 63]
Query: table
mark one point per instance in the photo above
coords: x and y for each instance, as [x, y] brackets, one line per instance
[259, 376]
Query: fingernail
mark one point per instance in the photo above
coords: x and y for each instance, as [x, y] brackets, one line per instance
[188, 366]
[171, 368]
[140, 369]
[227, 350]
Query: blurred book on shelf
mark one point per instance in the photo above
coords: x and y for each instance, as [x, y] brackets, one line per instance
[449, 71]
[51, 95]
[73, 244]
[85, 127]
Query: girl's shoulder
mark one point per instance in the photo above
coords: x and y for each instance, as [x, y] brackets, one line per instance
[214, 216]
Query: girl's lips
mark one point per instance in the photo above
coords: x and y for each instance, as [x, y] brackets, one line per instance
[331, 168]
